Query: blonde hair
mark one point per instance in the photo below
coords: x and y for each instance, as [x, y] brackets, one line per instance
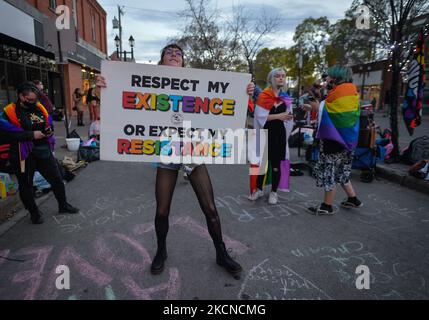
[272, 74]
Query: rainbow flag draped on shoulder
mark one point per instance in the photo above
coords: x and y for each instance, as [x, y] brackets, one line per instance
[339, 119]
[266, 101]
[13, 125]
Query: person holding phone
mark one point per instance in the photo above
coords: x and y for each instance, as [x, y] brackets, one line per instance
[27, 126]
[273, 112]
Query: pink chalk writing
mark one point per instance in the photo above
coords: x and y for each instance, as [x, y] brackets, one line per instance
[71, 258]
[111, 259]
[34, 275]
[172, 287]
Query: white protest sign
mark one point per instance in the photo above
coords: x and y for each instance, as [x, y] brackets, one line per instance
[147, 109]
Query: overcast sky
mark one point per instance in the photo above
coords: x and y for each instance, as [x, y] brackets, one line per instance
[153, 22]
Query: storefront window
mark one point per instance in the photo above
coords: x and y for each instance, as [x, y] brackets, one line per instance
[32, 59]
[33, 74]
[16, 76]
[2, 51]
[3, 88]
[45, 80]
[17, 66]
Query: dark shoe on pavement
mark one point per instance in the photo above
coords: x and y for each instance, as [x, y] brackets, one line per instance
[67, 208]
[322, 210]
[224, 260]
[37, 217]
[352, 203]
[158, 262]
[296, 173]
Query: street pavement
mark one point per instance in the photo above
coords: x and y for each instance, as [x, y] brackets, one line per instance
[286, 253]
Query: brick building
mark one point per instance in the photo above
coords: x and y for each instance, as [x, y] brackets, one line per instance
[83, 45]
[84, 53]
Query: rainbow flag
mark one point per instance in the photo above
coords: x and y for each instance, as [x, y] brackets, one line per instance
[266, 100]
[13, 125]
[340, 116]
[413, 103]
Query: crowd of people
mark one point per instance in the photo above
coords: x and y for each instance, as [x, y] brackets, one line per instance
[331, 104]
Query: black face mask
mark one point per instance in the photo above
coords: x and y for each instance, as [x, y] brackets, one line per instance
[330, 85]
[30, 105]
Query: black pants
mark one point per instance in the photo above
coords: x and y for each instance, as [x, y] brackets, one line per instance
[48, 168]
[80, 118]
[275, 176]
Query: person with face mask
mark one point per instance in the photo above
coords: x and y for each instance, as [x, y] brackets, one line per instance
[27, 126]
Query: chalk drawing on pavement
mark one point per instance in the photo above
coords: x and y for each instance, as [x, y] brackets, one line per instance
[268, 282]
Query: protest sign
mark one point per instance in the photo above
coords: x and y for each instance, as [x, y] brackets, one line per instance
[149, 111]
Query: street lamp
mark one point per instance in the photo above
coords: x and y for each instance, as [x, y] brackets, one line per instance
[124, 53]
[365, 71]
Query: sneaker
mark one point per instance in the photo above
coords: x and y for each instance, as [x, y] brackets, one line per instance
[274, 198]
[296, 173]
[68, 208]
[351, 203]
[256, 195]
[321, 211]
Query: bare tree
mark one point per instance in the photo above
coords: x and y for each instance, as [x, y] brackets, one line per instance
[396, 28]
[214, 41]
[252, 35]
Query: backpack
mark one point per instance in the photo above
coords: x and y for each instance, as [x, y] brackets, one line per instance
[417, 150]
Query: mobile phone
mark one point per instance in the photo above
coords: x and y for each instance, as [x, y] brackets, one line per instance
[47, 131]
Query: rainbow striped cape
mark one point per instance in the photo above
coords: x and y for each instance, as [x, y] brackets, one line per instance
[13, 125]
[266, 101]
[339, 119]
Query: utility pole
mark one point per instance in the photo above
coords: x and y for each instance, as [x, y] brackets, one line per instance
[61, 63]
[120, 13]
[300, 65]
[117, 24]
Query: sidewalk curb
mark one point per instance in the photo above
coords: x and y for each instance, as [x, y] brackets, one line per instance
[402, 179]
[383, 171]
[21, 214]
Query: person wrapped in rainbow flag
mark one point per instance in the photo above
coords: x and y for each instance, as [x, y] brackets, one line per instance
[338, 132]
[27, 127]
[273, 112]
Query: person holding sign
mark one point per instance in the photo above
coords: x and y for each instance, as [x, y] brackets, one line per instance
[172, 55]
[273, 112]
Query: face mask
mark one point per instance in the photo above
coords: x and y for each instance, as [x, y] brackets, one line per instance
[330, 86]
[31, 105]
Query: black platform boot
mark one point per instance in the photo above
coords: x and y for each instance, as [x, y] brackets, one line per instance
[224, 260]
[37, 217]
[158, 262]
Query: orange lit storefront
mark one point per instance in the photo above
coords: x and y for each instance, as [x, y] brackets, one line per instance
[78, 76]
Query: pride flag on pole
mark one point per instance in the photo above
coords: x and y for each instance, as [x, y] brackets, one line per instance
[413, 102]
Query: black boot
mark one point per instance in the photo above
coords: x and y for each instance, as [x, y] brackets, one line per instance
[158, 262]
[224, 260]
[37, 217]
[67, 208]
